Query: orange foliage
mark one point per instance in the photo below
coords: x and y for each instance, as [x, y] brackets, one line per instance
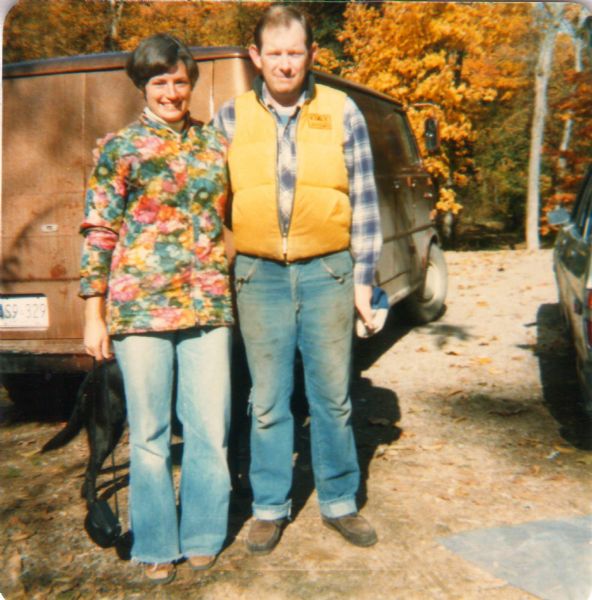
[452, 56]
[39, 29]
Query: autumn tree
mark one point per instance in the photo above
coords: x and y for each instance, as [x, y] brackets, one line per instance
[35, 29]
[445, 56]
[568, 144]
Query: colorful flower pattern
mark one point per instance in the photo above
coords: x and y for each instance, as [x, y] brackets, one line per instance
[153, 228]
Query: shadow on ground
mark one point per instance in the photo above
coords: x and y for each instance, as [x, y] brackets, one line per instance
[375, 417]
[561, 393]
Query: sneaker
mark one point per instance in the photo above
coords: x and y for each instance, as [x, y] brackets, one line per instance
[354, 528]
[201, 563]
[264, 535]
[162, 573]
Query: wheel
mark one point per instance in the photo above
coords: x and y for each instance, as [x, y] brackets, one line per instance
[427, 302]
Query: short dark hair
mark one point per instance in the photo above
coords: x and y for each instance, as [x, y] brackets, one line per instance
[156, 55]
[279, 15]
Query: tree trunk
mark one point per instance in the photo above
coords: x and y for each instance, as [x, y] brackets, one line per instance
[542, 74]
[578, 43]
[111, 41]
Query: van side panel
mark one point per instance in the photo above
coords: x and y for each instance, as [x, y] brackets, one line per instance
[231, 78]
[41, 201]
[54, 112]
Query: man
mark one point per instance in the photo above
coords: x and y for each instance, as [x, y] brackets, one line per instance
[306, 230]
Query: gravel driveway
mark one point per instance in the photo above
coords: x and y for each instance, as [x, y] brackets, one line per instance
[464, 424]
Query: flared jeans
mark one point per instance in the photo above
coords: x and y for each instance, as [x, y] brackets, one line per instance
[161, 533]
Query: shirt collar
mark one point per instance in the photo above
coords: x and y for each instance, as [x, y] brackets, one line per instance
[155, 119]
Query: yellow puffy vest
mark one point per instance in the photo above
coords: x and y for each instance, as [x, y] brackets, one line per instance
[321, 214]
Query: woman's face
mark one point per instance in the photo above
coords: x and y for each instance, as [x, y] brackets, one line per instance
[168, 94]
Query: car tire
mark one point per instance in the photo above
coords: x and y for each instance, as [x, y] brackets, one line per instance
[427, 302]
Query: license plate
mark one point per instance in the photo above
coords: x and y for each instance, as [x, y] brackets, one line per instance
[24, 312]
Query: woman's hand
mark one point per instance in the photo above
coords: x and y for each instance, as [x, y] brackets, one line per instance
[96, 337]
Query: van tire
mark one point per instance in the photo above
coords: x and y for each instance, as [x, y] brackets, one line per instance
[427, 302]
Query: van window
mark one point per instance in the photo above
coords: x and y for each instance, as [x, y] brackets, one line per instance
[393, 147]
[399, 137]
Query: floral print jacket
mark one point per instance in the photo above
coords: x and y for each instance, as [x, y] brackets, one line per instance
[153, 228]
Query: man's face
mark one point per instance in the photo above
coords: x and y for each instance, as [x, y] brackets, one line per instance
[284, 61]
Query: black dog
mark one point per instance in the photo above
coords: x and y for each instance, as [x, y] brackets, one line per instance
[100, 408]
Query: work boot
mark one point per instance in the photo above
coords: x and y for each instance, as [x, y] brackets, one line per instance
[264, 535]
[354, 528]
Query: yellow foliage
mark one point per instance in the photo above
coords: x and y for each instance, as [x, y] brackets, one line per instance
[447, 201]
[326, 61]
[446, 58]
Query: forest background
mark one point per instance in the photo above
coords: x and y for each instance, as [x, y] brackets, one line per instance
[510, 83]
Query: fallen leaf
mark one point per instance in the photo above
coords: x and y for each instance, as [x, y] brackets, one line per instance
[454, 393]
[66, 560]
[380, 451]
[19, 536]
[508, 413]
[483, 360]
[421, 349]
[564, 449]
[29, 453]
[433, 447]
[15, 567]
[452, 353]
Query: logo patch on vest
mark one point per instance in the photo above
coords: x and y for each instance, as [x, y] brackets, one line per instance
[318, 121]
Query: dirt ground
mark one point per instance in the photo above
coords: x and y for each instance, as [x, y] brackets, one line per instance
[467, 423]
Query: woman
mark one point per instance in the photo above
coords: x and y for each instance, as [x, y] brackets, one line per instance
[155, 279]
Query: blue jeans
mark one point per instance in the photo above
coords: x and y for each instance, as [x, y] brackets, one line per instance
[310, 306]
[203, 407]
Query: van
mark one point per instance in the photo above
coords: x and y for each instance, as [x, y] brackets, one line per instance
[54, 112]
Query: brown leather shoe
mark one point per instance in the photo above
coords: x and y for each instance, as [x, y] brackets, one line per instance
[264, 535]
[354, 528]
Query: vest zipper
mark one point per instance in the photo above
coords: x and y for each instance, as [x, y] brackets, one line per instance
[284, 227]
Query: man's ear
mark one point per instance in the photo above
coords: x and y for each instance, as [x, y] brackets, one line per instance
[255, 55]
[313, 53]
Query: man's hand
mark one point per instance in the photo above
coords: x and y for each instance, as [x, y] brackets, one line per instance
[362, 297]
[96, 338]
